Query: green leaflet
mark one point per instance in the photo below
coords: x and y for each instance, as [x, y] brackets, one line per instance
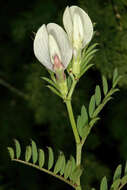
[11, 152]
[125, 170]
[111, 92]
[51, 158]
[104, 185]
[84, 131]
[72, 159]
[28, 153]
[90, 48]
[124, 180]
[93, 121]
[84, 115]
[100, 107]
[105, 85]
[87, 51]
[52, 75]
[116, 81]
[115, 75]
[97, 95]
[92, 106]
[76, 173]
[50, 81]
[59, 163]
[54, 90]
[115, 184]
[82, 121]
[41, 159]
[117, 173]
[68, 169]
[83, 118]
[84, 69]
[18, 148]
[87, 57]
[34, 152]
[63, 164]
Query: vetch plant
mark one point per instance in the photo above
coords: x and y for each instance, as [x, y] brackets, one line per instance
[66, 56]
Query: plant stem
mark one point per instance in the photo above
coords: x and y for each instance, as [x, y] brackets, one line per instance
[72, 88]
[72, 121]
[78, 161]
[77, 138]
[78, 153]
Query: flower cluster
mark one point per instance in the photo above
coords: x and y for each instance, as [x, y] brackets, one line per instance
[55, 48]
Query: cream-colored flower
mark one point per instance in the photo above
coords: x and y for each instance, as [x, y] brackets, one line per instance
[78, 26]
[51, 46]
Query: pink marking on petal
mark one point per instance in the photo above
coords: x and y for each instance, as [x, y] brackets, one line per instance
[57, 64]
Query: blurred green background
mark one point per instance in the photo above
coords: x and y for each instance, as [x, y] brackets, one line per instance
[29, 110]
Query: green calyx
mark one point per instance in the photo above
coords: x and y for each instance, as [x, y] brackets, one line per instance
[76, 62]
[62, 82]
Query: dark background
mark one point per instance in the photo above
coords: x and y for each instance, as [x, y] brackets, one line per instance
[28, 110]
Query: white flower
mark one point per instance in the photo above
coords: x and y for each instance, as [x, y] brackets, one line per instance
[78, 26]
[51, 45]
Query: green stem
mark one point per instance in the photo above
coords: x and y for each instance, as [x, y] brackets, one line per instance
[78, 161]
[72, 89]
[72, 121]
[77, 138]
[78, 154]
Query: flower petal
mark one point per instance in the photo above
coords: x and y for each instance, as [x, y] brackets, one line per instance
[87, 24]
[62, 40]
[68, 23]
[41, 49]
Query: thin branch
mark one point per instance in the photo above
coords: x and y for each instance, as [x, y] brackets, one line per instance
[13, 89]
[46, 171]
